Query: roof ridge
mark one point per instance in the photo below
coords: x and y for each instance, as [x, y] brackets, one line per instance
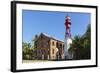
[52, 37]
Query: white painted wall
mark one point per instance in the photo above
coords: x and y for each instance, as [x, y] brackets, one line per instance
[5, 36]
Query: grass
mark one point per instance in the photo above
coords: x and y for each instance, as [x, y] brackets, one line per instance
[32, 61]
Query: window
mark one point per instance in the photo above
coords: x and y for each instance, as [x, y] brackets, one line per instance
[60, 45]
[53, 43]
[53, 51]
[57, 44]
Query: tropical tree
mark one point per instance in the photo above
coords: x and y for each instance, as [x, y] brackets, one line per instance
[87, 42]
[26, 50]
[34, 42]
[81, 45]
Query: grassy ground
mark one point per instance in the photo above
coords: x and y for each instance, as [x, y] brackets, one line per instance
[32, 61]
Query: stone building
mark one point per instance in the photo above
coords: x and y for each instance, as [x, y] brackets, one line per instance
[48, 48]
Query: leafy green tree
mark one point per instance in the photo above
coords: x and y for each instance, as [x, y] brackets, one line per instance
[34, 42]
[87, 42]
[26, 50]
[81, 45]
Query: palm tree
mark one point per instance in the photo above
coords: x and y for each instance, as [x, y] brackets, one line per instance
[80, 47]
[76, 47]
[87, 42]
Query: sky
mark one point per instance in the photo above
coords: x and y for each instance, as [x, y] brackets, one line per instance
[52, 23]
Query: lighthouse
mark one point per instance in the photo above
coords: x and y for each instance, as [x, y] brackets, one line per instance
[68, 39]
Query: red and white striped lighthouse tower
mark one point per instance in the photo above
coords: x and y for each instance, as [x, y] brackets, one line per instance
[68, 39]
[68, 26]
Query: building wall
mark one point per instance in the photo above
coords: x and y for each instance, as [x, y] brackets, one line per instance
[60, 46]
[56, 49]
[48, 48]
[53, 49]
[42, 47]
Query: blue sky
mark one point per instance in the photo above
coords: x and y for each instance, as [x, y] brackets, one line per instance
[52, 23]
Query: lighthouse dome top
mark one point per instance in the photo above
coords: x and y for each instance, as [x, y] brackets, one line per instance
[68, 17]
